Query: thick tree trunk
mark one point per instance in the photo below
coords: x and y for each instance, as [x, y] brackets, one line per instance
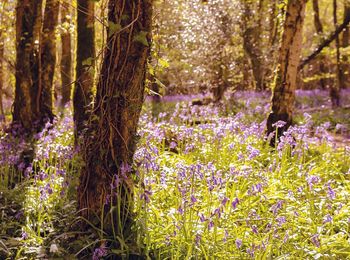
[85, 64]
[335, 89]
[27, 20]
[286, 75]
[106, 182]
[319, 30]
[66, 59]
[48, 60]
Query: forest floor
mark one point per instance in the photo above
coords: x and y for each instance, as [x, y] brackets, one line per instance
[208, 185]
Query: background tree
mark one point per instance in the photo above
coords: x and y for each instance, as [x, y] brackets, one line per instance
[66, 58]
[48, 60]
[286, 74]
[85, 63]
[335, 89]
[111, 139]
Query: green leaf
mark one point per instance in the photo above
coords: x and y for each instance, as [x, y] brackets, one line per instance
[113, 28]
[141, 37]
[88, 61]
[163, 63]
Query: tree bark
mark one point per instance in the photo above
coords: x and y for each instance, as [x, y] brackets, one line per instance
[2, 68]
[48, 60]
[346, 44]
[66, 59]
[286, 74]
[110, 141]
[85, 64]
[252, 41]
[335, 88]
[319, 30]
[27, 20]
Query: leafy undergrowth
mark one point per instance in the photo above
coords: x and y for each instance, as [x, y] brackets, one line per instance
[209, 187]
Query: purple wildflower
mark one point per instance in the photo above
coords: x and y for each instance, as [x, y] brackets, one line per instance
[234, 203]
[99, 253]
[238, 243]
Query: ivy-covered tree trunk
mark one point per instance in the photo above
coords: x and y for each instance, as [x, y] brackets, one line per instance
[286, 74]
[85, 64]
[106, 180]
[48, 60]
[66, 58]
[2, 68]
[27, 20]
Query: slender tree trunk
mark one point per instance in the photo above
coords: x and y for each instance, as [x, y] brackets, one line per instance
[2, 68]
[27, 20]
[346, 44]
[106, 180]
[85, 64]
[319, 30]
[286, 75]
[48, 60]
[335, 89]
[66, 59]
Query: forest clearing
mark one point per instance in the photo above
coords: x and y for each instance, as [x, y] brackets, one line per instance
[186, 129]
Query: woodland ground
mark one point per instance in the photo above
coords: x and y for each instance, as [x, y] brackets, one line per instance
[208, 185]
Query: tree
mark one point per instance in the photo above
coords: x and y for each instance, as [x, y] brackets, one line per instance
[106, 180]
[85, 68]
[48, 60]
[2, 57]
[28, 19]
[286, 74]
[335, 89]
[66, 58]
[252, 30]
[346, 43]
[319, 30]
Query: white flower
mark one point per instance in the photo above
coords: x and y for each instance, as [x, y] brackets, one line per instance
[53, 248]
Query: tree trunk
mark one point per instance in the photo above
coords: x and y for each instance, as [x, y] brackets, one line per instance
[66, 59]
[48, 60]
[85, 64]
[346, 44]
[2, 68]
[106, 182]
[319, 30]
[335, 89]
[252, 42]
[27, 20]
[286, 74]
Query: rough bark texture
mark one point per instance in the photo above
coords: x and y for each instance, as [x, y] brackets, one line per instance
[319, 30]
[85, 68]
[252, 41]
[66, 59]
[110, 141]
[48, 60]
[335, 88]
[286, 75]
[27, 20]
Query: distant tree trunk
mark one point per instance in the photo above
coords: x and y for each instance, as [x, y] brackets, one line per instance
[27, 20]
[48, 60]
[66, 59]
[252, 41]
[2, 68]
[345, 44]
[85, 64]
[110, 142]
[335, 89]
[319, 30]
[286, 74]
